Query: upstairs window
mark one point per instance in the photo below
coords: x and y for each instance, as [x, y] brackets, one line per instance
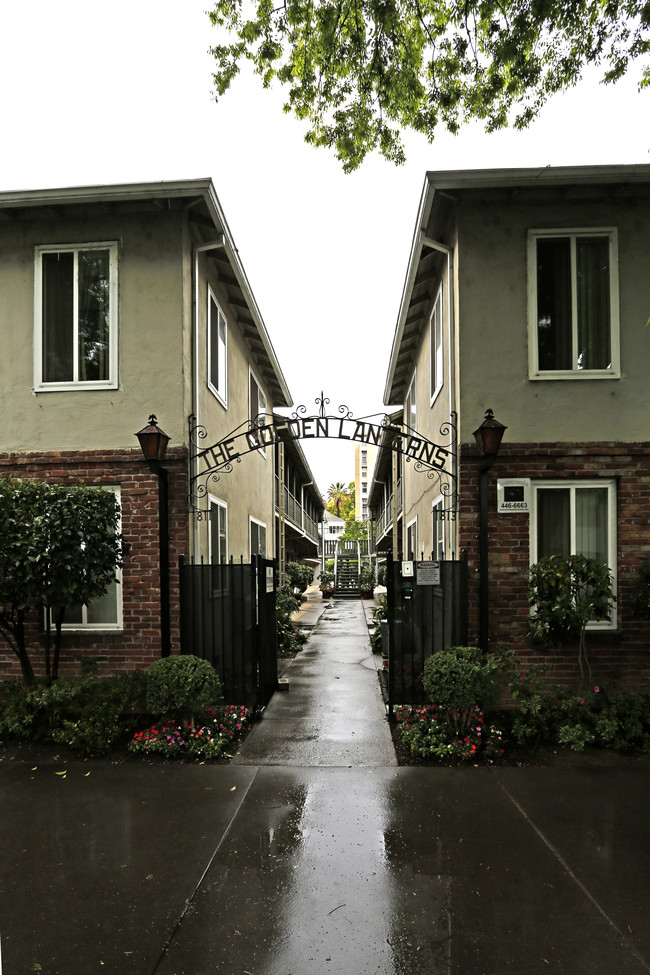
[573, 304]
[76, 317]
[256, 405]
[436, 348]
[411, 405]
[217, 350]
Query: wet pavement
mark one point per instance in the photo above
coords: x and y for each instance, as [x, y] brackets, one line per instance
[333, 713]
[306, 869]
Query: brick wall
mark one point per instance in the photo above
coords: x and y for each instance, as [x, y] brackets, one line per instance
[138, 643]
[621, 656]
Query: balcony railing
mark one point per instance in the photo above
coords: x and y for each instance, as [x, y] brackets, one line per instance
[295, 513]
[385, 518]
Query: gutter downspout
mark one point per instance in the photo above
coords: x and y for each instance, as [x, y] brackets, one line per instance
[215, 244]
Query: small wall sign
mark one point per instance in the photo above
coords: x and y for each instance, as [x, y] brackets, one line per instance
[270, 581]
[513, 495]
[428, 574]
[407, 569]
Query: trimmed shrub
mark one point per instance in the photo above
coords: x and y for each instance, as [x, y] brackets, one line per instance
[84, 713]
[181, 685]
[461, 677]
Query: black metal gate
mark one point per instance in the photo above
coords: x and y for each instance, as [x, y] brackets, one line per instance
[228, 617]
[427, 612]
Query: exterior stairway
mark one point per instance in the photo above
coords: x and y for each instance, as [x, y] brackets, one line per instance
[346, 585]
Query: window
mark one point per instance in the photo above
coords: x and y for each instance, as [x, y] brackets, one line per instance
[412, 540]
[104, 613]
[218, 537]
[256, 404]
[411, 406]
[438, 532]
[75, 343]
[217, 350]
[258, 538]
[436, 347]
[573, 304]
[575, 518]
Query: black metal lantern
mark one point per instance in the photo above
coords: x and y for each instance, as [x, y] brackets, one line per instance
[153, 440]
[489, 435]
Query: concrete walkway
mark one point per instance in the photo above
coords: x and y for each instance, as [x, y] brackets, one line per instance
[322, 857]
[333, 713]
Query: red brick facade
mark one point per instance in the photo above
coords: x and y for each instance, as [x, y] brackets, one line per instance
[620, 656]
[138, 644]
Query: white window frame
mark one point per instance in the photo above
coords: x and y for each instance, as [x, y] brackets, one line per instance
[222, 506]
[412, 525]
[534, 371]
[572, 485]
[86, 627]
[438, 533]
[411, 403]
[436, 362]
[261, 395]
[221, 394]
[40, 385]
[260, 524]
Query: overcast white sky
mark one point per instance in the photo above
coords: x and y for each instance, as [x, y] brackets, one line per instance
[120, 92]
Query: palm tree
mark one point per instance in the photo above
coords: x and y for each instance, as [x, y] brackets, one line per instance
[335, 493]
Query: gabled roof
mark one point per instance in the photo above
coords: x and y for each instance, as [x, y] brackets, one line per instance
[434, 224]
[198, 197]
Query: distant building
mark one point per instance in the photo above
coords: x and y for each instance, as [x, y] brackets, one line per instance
[365, 456]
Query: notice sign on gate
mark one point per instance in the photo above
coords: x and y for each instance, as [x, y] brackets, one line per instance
[428, 574]
[269, 579]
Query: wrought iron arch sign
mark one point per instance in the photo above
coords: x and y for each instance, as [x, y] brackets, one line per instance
[210, 463]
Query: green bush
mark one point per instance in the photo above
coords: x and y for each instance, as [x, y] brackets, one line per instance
[298, 576]
[557, 716]
[367, 577]
[566, 592]
[182, 685]
[326, 582]
[461, 677]
[87, 714]
[289, 638]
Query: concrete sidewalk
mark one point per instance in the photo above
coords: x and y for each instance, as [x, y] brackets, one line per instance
[333, 713]
[322, 857]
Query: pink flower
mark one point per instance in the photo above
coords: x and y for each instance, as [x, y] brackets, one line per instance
[596, 690]
[582, 700]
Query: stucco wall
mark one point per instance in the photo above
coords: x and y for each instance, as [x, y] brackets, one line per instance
[492, 313]
[151, 295]
[248, 490]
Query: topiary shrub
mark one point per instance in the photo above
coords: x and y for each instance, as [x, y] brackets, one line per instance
[459, 679]
[181, 685]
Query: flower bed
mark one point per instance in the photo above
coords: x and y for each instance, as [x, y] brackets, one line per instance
[428, 732]
[215, 734]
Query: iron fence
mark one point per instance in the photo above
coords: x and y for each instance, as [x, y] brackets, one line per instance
[228, 617]
[427, 612]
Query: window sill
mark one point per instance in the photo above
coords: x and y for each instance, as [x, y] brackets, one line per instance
[220, 399]
[73, 387]
[580, 374]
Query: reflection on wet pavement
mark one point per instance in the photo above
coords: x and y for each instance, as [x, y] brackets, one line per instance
[322, 857]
